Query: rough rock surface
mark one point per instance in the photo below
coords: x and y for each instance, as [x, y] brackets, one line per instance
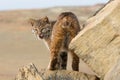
[98, 44]
[30, 72]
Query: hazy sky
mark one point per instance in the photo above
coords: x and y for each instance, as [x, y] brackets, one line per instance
[28, 4]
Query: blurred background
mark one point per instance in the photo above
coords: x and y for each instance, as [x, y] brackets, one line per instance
[18, 46]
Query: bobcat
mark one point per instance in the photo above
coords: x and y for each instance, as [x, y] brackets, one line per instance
[58, 34]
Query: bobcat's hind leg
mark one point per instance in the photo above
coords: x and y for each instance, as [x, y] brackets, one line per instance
[63, 60]
[75, 61]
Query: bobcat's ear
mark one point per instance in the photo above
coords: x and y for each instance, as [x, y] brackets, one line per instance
[46, 19]
[32, 21]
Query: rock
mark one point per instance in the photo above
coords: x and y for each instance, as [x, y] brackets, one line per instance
[98, 44]
[113, 73]
[30, 72]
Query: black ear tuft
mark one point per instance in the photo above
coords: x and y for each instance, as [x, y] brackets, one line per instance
[32, 21]
[46, 19]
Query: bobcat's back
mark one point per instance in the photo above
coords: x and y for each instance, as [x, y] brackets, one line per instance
[65, 28]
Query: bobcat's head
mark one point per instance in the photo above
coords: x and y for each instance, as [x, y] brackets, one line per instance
[42, 28]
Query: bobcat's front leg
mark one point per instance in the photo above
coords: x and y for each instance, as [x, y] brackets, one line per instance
[54, 51]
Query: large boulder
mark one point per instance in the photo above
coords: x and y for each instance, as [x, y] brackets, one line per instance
[98, 44]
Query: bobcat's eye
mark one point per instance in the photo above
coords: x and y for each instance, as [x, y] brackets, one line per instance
[33, 31]
[48, 30]
[43, 30]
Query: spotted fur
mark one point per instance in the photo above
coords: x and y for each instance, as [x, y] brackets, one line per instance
[58, 35]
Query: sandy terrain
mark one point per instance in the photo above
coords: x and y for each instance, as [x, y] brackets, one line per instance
[18, 46]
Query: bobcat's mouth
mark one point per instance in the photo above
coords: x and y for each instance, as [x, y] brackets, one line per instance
[41, 36]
